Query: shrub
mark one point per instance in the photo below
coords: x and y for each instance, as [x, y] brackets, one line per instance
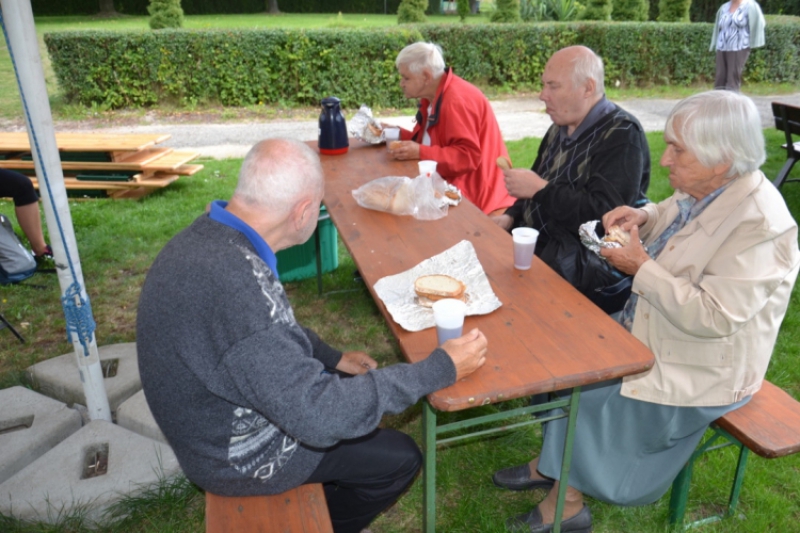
[165, 14]
[637, 10]
[506, 11]
[673, 10]
[292, 67]
[598, 10]
[462, 6]
[411, 11]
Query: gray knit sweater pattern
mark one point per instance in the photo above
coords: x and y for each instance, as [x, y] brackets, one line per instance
[244, 394]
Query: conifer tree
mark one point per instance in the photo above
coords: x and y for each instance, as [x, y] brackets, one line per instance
[165, 14]
[638, 10]
[597, 10]
[506, 11]
[674, 10]
[411, 11]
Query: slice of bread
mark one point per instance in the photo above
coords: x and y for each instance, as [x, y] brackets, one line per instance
[437, 287]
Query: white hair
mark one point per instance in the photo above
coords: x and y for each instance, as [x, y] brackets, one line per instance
[719, 127]
[588, 66]
[276, 173]
[421, 56]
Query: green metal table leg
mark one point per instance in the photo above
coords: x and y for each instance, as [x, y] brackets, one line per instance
[429, 475]
[680, 496]
[567, 458]
[738, 480]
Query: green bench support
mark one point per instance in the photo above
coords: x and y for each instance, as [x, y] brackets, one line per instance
[768, 425]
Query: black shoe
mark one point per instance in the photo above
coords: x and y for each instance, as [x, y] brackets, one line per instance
[532, 522]
[519, 478]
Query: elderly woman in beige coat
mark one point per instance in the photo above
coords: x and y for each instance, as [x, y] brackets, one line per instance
[713, 274]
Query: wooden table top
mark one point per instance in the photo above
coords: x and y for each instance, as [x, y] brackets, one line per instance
[546, 336]
[85, 142]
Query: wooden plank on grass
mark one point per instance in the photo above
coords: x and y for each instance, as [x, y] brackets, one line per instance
[142, 157]
[86, 142]
[172, 161]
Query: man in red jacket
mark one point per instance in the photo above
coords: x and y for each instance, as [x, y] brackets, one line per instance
[455, 127]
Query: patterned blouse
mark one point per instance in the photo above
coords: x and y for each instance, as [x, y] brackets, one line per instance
[734, 29]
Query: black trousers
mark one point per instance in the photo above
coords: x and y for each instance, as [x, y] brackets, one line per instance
[364, 476]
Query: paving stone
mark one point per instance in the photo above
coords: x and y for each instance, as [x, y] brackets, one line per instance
[30, 425]
[135, 414]
[56, 484]
[59, 378]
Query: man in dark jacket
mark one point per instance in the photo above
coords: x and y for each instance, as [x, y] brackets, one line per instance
[247, 398]
[593, 158]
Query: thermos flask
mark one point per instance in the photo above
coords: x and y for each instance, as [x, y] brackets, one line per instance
[332, 128]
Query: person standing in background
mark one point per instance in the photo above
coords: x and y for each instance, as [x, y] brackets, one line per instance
[739, 27]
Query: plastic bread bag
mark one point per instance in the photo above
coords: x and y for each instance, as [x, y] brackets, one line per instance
[401, 195]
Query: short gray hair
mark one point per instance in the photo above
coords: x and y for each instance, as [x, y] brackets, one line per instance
[276, 173]
[719, 127]
[422, 56]
[588, 66]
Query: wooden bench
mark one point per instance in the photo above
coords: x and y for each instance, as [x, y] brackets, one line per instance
[299, 510]
[769, 425]
[787, 120]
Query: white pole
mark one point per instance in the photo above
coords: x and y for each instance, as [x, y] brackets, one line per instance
[23, 47]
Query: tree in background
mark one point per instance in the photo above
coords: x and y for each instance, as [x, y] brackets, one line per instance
[638, 10]
[272, 7]
[462, 6]
[411, 11]
[165, 14]
[674, 10]
[107, 9]
[506, 11]
[598, 10]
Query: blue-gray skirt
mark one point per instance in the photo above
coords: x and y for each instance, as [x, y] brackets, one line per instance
[626, 452]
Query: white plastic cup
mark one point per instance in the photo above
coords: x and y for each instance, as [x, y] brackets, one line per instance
[427, 168]
[524, 245]
[449, 317]
[391, 134]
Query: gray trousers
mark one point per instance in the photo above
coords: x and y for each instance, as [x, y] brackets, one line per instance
[729, 69]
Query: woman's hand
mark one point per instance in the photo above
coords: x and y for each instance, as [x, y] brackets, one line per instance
[629, 258]
[404, 150]
[625, 217]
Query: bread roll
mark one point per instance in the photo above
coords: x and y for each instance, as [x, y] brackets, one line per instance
[503, 163]
[617, 234]
[436, 287]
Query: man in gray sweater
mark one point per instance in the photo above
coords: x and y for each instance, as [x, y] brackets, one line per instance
[247, 398]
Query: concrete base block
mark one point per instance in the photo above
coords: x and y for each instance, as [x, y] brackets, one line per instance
[134, 414]
[59, 377]
[30, 425]
[69, 478]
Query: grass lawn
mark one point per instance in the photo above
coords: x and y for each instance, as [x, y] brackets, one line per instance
[118, 241]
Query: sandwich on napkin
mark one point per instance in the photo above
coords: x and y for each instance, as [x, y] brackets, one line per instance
[438, 287]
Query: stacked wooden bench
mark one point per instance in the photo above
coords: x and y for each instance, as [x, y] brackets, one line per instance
[769, 425]
[116, 165]
[299, 510]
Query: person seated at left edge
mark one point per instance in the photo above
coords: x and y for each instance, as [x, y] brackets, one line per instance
[455, 126]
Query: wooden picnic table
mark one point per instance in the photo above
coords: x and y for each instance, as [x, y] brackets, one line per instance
[545, 337]
[120, 165]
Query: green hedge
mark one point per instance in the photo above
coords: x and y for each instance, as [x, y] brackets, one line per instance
[294, 67]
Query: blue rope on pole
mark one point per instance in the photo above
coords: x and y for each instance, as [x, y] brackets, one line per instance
[77, 310]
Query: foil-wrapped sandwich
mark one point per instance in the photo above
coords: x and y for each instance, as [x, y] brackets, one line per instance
[363, 126]
[615, 237]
